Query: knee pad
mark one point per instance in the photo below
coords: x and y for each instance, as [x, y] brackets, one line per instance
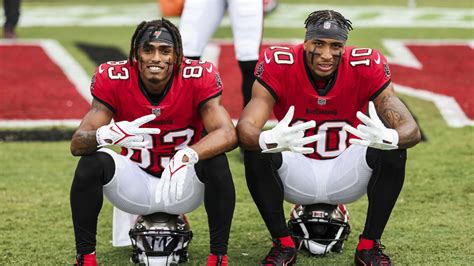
[380, 158]
[256, 158]
[213, 169]
[99, 165]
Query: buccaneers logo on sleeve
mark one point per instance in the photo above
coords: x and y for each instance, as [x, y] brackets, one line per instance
[259, 71]
[92, 82]
[386, 70]
[218, 81]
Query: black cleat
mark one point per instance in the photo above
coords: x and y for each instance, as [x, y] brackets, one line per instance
[279, 255]
[373, 256]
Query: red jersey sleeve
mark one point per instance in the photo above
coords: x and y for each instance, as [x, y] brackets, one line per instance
[102, 88]
[376, 76]
[209, 85]
[270, 69]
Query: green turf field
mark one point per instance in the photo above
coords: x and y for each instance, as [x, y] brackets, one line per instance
[430, 225]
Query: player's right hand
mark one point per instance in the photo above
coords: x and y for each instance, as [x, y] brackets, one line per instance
[285, 138]
[126, 134]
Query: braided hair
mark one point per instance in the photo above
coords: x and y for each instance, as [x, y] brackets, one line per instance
[156, 25]
[324, 15]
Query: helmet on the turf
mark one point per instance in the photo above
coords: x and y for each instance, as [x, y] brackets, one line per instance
[319, 228]
[160, 239]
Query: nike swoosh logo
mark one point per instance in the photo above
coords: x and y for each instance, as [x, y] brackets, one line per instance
[100, 69]
[267, 60]
[377, 61]
[209, 69]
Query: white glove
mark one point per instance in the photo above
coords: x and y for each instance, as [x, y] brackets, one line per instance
[173, 177]
[288, 138]
[126, 134]
[373, 134]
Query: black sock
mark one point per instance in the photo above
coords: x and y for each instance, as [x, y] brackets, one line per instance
[247, 68]
[383, 188]
[86, 197]
[219, 200]
[266, 189]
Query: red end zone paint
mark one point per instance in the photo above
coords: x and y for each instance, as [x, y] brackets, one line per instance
[229, 69]
[446, 70]
[34, 87]
[232, 78]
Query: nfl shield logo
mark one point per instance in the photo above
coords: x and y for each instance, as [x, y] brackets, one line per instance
[321, 101]
[327, 25]
[156, 111]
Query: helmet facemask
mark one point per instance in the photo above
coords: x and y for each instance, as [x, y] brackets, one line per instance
[160, 239]
[319, 228]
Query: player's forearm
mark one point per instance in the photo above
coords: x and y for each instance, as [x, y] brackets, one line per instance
[248, 135]
[83, 143]
[409, 135]
[216, 142]
[397, 116]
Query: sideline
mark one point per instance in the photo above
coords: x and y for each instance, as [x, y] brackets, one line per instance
[362, 16]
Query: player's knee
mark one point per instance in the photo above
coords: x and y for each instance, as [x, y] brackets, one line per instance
[257, 159]
[393, 159]
[215, 169]
[254, 157]
[98, 166]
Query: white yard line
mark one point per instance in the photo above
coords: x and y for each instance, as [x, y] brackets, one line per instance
[285, 16]
[399, 54]
[71, 68]
[29, 123]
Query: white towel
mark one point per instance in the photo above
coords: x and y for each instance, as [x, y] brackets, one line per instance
[121, 225]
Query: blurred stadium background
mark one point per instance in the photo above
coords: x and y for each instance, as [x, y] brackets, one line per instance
[44, 76]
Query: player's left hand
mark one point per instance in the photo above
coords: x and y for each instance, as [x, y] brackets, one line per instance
[373, 134]
[170, 188]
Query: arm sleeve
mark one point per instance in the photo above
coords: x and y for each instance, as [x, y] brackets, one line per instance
[209, 84]
[378, 76]
[269, 73]
[102, 89]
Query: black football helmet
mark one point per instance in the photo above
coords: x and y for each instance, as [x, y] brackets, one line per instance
[160, 239]
[319, 228]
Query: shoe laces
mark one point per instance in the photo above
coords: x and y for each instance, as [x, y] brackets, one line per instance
[377, 250]
[275, 252]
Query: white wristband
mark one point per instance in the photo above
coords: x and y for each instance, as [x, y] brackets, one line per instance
[100, 141]
[261, 140]
[192, 155]
[395, 137]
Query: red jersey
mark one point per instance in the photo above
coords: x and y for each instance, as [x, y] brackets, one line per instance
[117, 85]
[362, 74]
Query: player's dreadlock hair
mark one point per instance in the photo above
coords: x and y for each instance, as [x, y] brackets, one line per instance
[323, 15]
[156, 25]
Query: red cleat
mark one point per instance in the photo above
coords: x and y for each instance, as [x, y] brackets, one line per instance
[373, 256]
[217, 260]
[86, 260]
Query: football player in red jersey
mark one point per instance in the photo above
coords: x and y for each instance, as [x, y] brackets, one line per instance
[173, 132]
[319, 90]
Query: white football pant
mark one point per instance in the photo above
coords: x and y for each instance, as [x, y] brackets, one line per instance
[201, 18]
[335, 181]
[133, 190]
